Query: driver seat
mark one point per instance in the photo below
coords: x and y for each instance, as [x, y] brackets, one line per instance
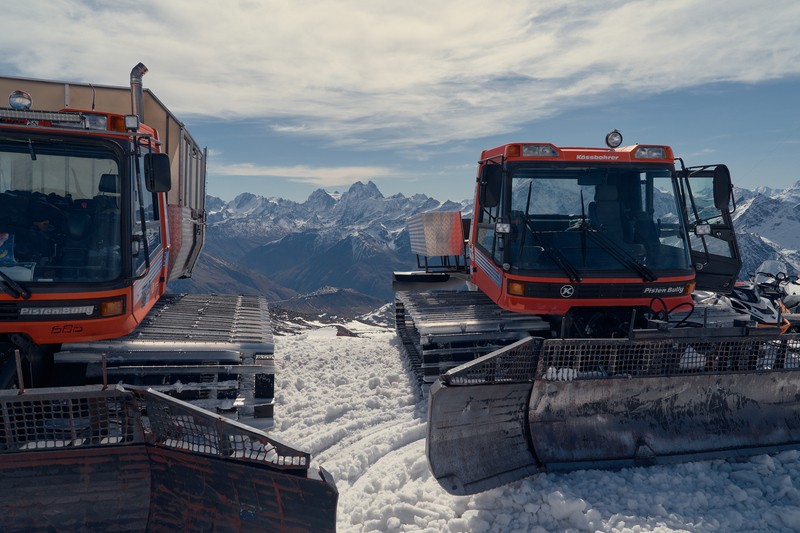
[605, 212]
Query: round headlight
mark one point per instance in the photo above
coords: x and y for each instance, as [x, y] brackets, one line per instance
[19, 100]
[613, 139]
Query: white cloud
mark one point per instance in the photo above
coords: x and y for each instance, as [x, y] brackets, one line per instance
[320, 176]
[401, 75]
[704, 152]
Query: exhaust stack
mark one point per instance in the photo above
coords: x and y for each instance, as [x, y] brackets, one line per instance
[137, 106]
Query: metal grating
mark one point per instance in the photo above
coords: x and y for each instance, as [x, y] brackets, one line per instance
[47, 419]
[581, 359]
[512, 364]
[207, 318]
[565, 360]
[9, 312]
[442, 329]
[196, 347]
[453, 314]
[69, 417]
[179, 425]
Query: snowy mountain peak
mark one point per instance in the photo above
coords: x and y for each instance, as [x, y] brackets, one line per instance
[790, 194]
[214, 204]
[360, 190]
[320, 199]
[764, 190]
[243, 200]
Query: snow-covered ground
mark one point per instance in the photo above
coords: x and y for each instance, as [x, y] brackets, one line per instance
[351, 402]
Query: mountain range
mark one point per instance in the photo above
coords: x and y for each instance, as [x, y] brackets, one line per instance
[336, 252]
[333, 252]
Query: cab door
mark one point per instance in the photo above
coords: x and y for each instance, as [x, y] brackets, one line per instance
[147, 247]
[707, 195]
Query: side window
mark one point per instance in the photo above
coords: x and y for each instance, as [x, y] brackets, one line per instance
[486, 233]
[144, 202]
[706, 213]
[665, 217]
[714, 251]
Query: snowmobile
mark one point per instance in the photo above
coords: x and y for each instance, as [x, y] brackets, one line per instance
[781, 289]
[767, 297]
[562, 333]
[746, 299]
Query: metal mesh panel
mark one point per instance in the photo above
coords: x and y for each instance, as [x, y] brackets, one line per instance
[566, 360]
[90, 416]
[68, 417]
[511, 364]
[576, 359]
[179, 425]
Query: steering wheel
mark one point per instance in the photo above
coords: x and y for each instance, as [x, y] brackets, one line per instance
[46, 211]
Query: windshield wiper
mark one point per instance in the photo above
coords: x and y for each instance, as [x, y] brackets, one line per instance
[555, 255]
[12, 288]
[616, 251]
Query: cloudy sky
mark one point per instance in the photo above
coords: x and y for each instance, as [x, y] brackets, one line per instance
[293, 96]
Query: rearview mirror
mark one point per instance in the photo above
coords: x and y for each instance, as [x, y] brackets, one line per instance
[156, 173]
[723, 188]
[490, 184]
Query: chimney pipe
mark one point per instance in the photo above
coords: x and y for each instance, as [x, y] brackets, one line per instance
[137, 106]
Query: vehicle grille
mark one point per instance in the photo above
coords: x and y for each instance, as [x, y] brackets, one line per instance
[9, 311]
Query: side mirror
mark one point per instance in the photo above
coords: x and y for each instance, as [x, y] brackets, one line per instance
[157, 176]
[490, 184]
[722, 188]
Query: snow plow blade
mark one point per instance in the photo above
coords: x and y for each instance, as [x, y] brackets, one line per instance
[569, 404]
[133, 459]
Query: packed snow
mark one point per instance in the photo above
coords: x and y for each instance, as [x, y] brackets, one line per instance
[352, 403]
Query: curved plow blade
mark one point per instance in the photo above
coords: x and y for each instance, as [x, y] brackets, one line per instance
[478, 436]
[570, 404]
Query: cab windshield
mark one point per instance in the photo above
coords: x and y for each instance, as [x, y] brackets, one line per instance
[59, 212]
[590, 221]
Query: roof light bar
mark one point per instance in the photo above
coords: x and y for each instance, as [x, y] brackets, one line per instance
[52, 116]
[87, 121]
